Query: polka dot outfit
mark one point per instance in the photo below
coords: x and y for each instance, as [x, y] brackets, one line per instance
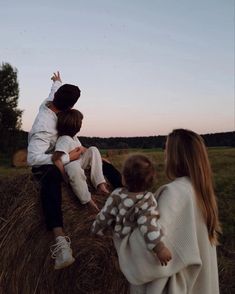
[124, 211]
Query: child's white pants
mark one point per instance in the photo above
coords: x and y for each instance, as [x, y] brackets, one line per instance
[77, 178]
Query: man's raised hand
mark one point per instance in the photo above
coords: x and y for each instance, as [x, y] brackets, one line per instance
[56, 77]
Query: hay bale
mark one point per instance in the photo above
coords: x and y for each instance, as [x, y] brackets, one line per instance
[26, 266]
[19, 158]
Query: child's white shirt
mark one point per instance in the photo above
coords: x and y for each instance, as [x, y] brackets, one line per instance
[66, 144]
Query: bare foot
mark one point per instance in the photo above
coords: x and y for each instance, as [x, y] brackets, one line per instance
[93, 206]
[102, 188]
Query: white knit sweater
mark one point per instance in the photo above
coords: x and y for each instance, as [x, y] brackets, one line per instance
[193, 268]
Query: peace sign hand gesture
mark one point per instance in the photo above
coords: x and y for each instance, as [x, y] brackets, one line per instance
[56, 77]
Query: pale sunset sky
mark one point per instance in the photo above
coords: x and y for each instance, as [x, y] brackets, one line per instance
[144, 67]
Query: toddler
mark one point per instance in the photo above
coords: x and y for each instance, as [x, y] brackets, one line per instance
[134, 207]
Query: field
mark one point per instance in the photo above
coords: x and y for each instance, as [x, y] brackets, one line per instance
[223, 166]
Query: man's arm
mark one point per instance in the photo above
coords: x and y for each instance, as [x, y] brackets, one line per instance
[57, 83]
[38, 145]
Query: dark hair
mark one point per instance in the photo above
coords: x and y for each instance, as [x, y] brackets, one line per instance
[66, 96]
[138, 173]
[69, 122]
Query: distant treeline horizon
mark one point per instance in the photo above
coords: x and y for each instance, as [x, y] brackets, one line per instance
[226, 139]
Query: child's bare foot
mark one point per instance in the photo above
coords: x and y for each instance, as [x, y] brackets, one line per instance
[93, 206]
[102, 188]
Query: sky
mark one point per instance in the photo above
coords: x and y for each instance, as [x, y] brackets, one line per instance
[143, 67]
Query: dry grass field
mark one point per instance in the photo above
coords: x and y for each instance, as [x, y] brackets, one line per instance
[19, 209]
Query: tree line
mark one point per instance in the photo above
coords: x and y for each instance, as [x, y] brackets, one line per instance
[225, 139]
[13, 138]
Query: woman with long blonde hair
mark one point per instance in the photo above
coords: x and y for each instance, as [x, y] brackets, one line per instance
[186, 156]
[189, 213]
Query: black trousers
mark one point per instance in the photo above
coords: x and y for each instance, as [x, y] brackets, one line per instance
[50, 180]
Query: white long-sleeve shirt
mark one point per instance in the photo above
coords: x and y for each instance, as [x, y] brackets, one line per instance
[43, 135]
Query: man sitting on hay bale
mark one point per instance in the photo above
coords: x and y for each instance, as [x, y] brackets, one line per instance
[42, 139]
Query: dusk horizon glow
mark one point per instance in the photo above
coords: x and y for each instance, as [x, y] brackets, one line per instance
[144, 68]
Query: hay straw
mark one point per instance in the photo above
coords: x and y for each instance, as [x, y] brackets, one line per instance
[26, 266]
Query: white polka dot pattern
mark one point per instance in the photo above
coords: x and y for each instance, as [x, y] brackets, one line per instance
[123, 196]
[153, 235]
[141, 220]
[147, 196]
[128, 202]
[144, 206]
[143, 229]
[151, 246]
[154, 222]
[117, 191]
[109, 201]
[139, 196]
[110, 221]
[122, 211]
[100, 233]
[117, 228]
[126, 211]
[126, 230]
[114, 211]
[153, 211]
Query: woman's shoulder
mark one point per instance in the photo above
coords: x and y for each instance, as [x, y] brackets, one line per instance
[178, 190]
[178, 183]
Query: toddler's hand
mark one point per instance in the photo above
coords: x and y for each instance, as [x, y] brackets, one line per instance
[164, 255]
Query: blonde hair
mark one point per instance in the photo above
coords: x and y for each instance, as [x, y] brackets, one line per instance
[186, 155]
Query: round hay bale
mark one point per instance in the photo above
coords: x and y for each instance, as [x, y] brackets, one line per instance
[26, 266]
[19, 158]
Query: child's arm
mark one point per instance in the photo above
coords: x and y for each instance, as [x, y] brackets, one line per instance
[105, 217]
[150, 228]
[56, 159]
